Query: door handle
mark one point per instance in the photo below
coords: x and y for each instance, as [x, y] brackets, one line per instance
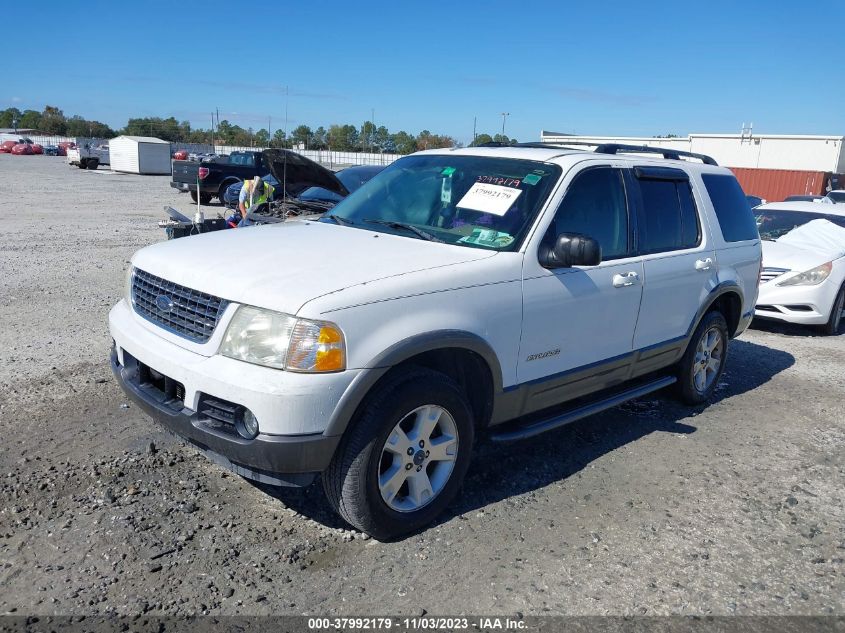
[703, 264]
[623, 280]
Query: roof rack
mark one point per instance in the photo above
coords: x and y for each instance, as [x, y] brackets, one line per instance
[673, 154]
[613, 148]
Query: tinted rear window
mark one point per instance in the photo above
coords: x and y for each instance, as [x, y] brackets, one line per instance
[670, 221]
[732, 209]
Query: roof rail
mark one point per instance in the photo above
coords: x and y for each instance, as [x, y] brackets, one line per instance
[610, 148]
[673, 154]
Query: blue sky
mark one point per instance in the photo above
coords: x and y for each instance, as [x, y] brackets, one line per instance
[626, 68]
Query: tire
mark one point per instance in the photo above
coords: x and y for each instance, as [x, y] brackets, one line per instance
[83, 164]
[205, 198]
[831, 328]
[222, 191]
[93, 163]
[351, 482]
[690, 387]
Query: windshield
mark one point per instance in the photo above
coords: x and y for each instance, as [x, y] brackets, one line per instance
[475, 201]
[837, 196]
[773, 223]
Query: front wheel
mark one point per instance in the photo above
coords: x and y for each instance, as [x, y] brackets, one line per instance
[403, 459]
[831, 328]
[704, 361]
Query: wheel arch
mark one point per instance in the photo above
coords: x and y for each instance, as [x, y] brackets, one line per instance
[465, 357]
[225, 184]
[727, 298]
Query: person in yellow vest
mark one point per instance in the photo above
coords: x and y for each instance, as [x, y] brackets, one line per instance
[253, 192]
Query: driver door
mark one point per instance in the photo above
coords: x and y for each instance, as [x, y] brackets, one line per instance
[579, 322]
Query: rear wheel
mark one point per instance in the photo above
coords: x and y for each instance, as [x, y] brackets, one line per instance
[704, 361]
[93, 163]
[82, 164]
[205, 198]
[404, 458]
[837, 313]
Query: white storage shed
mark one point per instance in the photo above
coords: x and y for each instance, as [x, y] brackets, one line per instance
[140, 155]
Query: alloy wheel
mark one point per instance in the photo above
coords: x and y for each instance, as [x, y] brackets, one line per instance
[708, 359]
[418, 458]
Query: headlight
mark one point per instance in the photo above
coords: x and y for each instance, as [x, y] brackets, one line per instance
[127, 288]
[811, 277]
[281, 341]
[316, 346]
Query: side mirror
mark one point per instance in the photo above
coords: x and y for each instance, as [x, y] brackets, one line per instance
[571, 249]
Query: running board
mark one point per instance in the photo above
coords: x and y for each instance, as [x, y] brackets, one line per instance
[562, 419]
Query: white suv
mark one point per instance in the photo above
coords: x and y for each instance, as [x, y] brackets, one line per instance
[509, 290]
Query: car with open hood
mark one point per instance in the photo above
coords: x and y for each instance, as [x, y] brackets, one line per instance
[351, 178]
[803, 277]
[497, 290]
[209, 179]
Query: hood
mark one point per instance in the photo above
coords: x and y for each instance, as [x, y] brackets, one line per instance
[779, 255]
[806, 246]
[300, 173]
[283, 266]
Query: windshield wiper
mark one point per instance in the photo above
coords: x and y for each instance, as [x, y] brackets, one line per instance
[338, 219]
[404, 225]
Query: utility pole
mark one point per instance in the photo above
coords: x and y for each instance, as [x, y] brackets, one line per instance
[213, 148]
[474, 133]
[373, 124]
[505, 115]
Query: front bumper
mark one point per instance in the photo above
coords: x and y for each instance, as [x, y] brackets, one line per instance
[293, 410]
[803, 305]
[273, 459]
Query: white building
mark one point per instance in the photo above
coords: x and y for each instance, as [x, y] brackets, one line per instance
[140, 155]
[756, 151]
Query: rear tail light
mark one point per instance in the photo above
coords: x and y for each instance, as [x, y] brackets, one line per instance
[203, 172]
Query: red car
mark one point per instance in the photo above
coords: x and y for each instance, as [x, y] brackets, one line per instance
[181, 154]
[6, 147]
[36, 148]
[64, 146]
[22, 149]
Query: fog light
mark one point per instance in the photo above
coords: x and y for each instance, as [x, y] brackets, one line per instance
[249, 425]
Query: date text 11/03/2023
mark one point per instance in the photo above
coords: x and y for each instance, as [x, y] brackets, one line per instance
[422, 623]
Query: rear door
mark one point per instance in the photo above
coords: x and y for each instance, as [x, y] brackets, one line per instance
[737, 240]
[584, 316]
[678, 257]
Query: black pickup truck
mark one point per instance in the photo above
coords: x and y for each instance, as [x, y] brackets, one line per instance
[214, 177]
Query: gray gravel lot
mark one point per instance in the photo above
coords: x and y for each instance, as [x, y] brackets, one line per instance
[650, 508]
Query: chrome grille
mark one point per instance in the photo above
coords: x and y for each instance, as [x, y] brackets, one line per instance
[190, 314]
[771, 273]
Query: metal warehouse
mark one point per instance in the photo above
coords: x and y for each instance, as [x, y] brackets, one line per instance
[771, 166]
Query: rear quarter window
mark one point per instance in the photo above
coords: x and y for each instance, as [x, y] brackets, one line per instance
[732, 209]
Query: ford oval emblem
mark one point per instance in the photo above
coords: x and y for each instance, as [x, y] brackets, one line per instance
[164, 303]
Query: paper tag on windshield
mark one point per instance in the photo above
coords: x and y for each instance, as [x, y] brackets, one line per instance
[494, 199]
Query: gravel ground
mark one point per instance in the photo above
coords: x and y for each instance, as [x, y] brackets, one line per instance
[650, 508]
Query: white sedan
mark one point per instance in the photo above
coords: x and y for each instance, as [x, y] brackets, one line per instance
[803, 276]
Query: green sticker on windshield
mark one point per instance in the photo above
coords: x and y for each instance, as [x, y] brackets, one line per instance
[447, 171]
[531, 179]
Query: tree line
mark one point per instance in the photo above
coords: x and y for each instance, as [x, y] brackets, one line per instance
[339, 137]
[53, 121]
